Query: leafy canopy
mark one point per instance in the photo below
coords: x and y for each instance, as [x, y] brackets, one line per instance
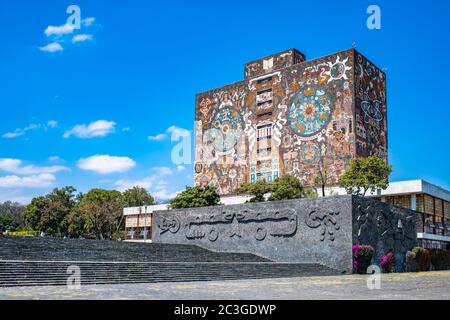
[365, 174]
[289, 187]
[257, 190]
[95, 214]
[283, 188]
[194, 197]
[137, 196]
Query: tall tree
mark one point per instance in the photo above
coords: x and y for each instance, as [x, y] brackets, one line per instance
[11, 213]
[364, 174]
[136, 197]
[258, 190]
[101, 212]
[196, 197]
[33, 212]
[323, 174]
[289, 187]
[48, 213]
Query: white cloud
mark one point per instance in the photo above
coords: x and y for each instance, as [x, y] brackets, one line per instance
[14, 195]
[34, 181]
[145, 183]
[181, 168]
[15, 166]
[99, 128]
[163, 171]
[173, 130]
[20, 131]
[59, 30]
[158, 188]
[52, 47]
[82, 38]
[54, 159]
[126, 129]
[157, 184]
[158, 137]
[180, 132]
[163, 193]
[52, 123]
[33, 126]
[88, 21]
[105, 164]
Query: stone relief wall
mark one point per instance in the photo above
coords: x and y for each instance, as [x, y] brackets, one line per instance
[319, 230]
[385, 228]
[308, 230]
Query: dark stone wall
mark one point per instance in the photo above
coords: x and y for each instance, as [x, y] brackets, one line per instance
[303, 230]
[306, 230]
[385, 228]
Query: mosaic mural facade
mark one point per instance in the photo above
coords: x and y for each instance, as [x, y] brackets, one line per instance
[290, 116]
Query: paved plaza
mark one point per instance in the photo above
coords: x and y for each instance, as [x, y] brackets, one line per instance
[429, 285]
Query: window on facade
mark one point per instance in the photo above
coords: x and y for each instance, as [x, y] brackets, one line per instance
[263, 96]
[428, 204]
[264, 80]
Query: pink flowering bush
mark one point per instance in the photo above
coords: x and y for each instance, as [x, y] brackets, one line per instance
[362, 258]
[387, 263]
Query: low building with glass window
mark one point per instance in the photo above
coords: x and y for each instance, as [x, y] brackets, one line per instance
[431, 200]
[138, 222]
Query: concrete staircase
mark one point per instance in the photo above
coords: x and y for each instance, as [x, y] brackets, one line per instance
[45, 262]
[49, 273]
[57, 249]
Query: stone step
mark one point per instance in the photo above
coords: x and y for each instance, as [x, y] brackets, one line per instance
[54, 273]
[50, 249]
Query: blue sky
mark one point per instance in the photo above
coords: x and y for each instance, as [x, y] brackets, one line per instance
[78, 106]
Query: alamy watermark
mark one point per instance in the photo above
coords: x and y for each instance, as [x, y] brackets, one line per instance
[74, 280]
[374, 20]
[74, 19]
[374, 280]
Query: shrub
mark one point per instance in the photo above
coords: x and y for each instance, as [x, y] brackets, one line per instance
[194, 197]
[387, 262]
[440, 259]
[422, 259]
[362, 258]
[118, 235]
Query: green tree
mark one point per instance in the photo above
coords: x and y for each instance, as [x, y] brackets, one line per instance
[14, 211]
[33, 212]
[289, 187]
[196, 197]
[99, 213]
[365, 174]
[136, 197]
[8, 222]
[257, 190]
[77, 224]
[47, 213]
[323, 174]
[310, 193]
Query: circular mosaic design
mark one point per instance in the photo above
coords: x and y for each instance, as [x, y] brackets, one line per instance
[226, 129]
[337, 70]
[309, 153]
[309, 111]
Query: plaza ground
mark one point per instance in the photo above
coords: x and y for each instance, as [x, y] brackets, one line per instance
[427, 285]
